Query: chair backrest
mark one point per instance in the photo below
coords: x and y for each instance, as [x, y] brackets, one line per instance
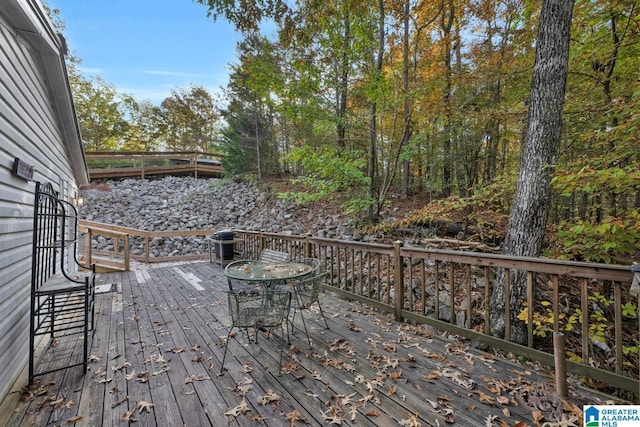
[270, 255]
[243, 285]
[265, 308]
[307, 290]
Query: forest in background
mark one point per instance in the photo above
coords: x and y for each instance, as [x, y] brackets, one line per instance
[435, 104]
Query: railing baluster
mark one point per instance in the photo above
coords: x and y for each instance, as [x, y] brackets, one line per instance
[617, 297]
[584, 300]
[530, 310]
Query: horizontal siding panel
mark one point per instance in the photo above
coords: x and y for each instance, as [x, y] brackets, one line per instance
[17, 255]
[30, 129]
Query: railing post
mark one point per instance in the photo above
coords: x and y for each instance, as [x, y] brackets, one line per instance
[307, 245]
[398, 275]
[142, 166]
[560, 364]
[146, 248]
[127, 256]
[87, 251]
[261, 240]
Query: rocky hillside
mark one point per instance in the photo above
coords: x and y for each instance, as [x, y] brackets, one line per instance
[186, 203]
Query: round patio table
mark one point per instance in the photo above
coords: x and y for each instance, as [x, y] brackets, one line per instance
[255, 271]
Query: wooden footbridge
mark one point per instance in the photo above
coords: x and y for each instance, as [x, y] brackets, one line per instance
[130, 164]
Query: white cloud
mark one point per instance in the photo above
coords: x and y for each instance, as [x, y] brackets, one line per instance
[180, 74]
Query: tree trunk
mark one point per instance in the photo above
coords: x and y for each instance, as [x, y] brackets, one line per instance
[406, 134]
[528, 217]
[447, 166]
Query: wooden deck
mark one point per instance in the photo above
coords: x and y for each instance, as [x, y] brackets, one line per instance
[157, 351]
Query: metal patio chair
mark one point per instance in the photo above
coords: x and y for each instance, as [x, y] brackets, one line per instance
[306, 292]
[258, 309]
[269, 255]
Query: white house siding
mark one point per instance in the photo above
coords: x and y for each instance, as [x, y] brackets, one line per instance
[32, 129]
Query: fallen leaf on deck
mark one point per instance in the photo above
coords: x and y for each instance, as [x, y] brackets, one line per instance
[124, 365]
[143, 377]
[503, 400]
[240, 409]
[144, 406]
[294, 416]
[566, 421]
[412, 421]
[488, 422]
[484, 397]
[128, 416]
[270, 397]
[333, 418]
[354, 327]
[73, 420]
[193, 378]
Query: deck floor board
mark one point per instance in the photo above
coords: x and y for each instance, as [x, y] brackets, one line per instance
[159, 340]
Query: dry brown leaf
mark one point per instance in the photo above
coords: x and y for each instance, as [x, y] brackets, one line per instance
[537, 416]
[238, 410]
[269, 397]
[395, 375]
[331, 417]
[372, 413]
[354, 327]
[391, 390]
[506, 412]
[567, 420]
[503, 400]
[412, 421]
[485, 398]
[73, 420]
[128, 416]
[293, 417]
[144, 406]
[143, 377]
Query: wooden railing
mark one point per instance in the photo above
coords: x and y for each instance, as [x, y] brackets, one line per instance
[124, 253]
[120, 164]
[452, 291]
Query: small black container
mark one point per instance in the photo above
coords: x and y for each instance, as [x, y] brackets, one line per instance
[227, 248]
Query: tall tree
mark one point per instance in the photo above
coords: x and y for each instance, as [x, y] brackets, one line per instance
[528, 217]
[190, 119]
[100, 112]
[146, 126]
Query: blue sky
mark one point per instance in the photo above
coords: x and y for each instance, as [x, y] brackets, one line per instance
[148, 47]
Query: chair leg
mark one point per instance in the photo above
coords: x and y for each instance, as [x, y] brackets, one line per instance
[322, 314]
[304, 324]
[224, 355]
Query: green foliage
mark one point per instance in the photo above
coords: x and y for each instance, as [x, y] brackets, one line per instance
[604, 241]
[326, 173]
[598, 320]
[100, 113]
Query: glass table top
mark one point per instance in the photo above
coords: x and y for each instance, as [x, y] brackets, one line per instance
[259, 271]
